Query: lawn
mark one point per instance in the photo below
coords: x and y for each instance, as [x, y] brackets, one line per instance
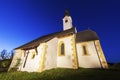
[64, 74]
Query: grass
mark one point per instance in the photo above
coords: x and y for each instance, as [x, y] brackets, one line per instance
[64, 74]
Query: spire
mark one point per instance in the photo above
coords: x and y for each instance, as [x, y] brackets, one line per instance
[67, 13]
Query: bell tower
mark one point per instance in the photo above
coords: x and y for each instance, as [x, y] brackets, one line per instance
[67, 21]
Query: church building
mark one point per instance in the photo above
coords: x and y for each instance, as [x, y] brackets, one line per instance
[64, 49]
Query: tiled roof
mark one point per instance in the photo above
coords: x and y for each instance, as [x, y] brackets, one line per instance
[86, 35]
[36, 42]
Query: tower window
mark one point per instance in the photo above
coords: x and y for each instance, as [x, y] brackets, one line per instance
[66, 21]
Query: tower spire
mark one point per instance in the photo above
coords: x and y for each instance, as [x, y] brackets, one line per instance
[67, 13]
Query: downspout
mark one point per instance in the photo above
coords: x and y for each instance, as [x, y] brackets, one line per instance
[98, 55]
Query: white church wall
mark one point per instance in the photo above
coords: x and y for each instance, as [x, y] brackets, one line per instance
[65, 61]
[89, 60]
[21, 62]
[51, 54]
[16, 57]
[33, 63]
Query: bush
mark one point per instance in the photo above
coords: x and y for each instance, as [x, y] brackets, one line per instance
[4, 65]
[115, 66]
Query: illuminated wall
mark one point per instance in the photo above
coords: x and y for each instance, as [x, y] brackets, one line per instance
[51, 54]
[33, 60]
[61, 52]
[65, 61]
[89, 56]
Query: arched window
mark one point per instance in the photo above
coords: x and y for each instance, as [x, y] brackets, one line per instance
[84, 50]
[62, 49]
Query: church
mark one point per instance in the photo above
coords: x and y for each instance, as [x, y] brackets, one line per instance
[64, 49]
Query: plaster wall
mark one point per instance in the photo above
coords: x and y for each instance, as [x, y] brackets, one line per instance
[91, 60]
[32, 63]
[51, 54]
[65, 61]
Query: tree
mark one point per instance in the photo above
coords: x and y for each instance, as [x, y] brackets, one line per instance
[3, 54]
[5, 58]
[6, 55]
[10, 54]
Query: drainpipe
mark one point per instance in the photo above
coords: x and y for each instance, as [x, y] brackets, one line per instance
[98, 54]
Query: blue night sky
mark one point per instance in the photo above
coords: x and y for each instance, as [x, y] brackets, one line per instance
[24, 20]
